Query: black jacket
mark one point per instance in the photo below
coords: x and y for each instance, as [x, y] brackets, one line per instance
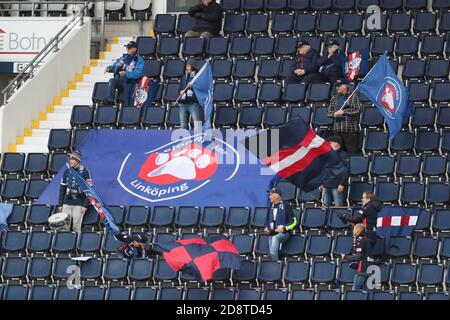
[339, 173]
[369, 215]
[207, 18]
[360, 253]
[310, 62]
[333, 67]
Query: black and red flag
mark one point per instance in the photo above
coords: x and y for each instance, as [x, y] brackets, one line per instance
[201, 257]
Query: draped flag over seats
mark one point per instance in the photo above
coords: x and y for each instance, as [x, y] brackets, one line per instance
[145, 92]
[302, 155]
[96, 202]
[203, 85]
[357, 64]
[200, 257]
[397, 221]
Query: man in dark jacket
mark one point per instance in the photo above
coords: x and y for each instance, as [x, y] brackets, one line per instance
[334, 185]
[208, 19]
[368, 215]
[72, 199]
[332, 66]
[279, 223]
[133, 245]
[306, 65]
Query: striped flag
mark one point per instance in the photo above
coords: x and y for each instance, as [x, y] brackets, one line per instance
[302, 155]
[397, 221]
[357, 64]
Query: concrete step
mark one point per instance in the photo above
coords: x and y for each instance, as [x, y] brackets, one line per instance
[27, 148]
[80, 92]
[55, 124]
[97, 77]
[58, 116]
[71, 101]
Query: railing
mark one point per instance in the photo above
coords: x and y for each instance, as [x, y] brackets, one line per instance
[52, 46]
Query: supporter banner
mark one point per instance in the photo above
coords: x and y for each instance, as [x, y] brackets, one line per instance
[21, 38]
[137, 167]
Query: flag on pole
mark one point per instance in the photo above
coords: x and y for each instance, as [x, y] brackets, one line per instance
[203, 86]
[388, 94]
[357, 64]
[301, 155]
[96, 202]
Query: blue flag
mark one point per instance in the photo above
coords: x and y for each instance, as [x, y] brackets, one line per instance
[204, 88]
[388, 94]
[397, 221]
[96, 202]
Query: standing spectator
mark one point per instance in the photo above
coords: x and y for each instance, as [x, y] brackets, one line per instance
[359, 257]
[346, 117]
[332, 66]
[127, 71]
[188, 101]
[334, 185]
[208, 19]
[72, 199]
[306, 65]
[279, 223]
[368, 215]
[133, 246]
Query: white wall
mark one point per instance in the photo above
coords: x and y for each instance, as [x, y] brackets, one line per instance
[53, 76]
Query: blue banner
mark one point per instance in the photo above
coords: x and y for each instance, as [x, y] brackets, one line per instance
[387, 92]
[397, 221]
[203, 85]
[138, 167]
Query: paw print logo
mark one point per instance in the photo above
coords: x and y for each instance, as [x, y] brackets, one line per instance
[190, 163]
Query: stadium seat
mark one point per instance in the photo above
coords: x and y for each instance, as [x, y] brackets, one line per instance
[247, 271]
[162, 272]
[161, 217]
[314, 218]
[118, 293]
[234, 23]
[17, 216]
[237, 217]
[185, 23]
[432, 45]
[91, 269]
[414, 295]
[371, 118]
[300, 112]
[39, 241]
[64, 242]
[217, 47]
[193, 47]
[16, 292]
[413, 192]
[437, 296]
[61, 267]
[414, 69]
[444, 22]
[64, 293]
[146, 46]
[152, 69]
[319, 245]
[296, 271]
[249, 294]
[443, 117]
[244, 69]
[154, 117]
[100, 92]
[262, 245]
[359, 165]
[36, 164]
[351, 23]
[93, 293]
[15, 268]
[243, 243]
[145, 293]
[342, 245]
[282, 23]
[438, 193]
[305, 23]
[89, 242]
[223, 294]
[106, 116]
[346, 273]
[434, 166]
[212, 217]
[258, 218]
[257, 23]
[270, 271]
[419, 92]
[323, 272]
[441, 220]
[13, 164]
[116, 269]
[38, 214]
[357, 188]
[318, 93]
[387, 192]
[407, 46]
[34, 189]
[320, 118]
[165, 24]
[231, 5]
[441, 93]
[137, 216]
[40, 268]
[383, 295]
[302, 295]
[403, 142]
[221, 69]
[398, 246]
[140, 270]
[381, 44]
[355, 295]
[327, 22]
[404, 274]
[334, 223]
[437, 69]
[400, 23]
[14, 241]
[376, 141]
[431, 275]
[382, 165]
[269, 93]
[168, 47]
[329, 295]
[199, 294]
[82, 116]
[276, 294]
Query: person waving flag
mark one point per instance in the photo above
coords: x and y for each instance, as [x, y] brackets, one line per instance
[203, 85]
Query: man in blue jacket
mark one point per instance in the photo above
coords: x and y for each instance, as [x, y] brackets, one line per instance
[306, 65]
[127, 71]
[332, 66]
[334, 185]
[279, 223]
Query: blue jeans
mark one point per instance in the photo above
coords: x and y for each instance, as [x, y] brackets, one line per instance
[274, 243]
[331, 196]
[192, 109]
[126, 86]
[360, 283]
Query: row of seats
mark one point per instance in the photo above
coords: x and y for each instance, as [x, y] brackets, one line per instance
[285, 45]
[30, 165]
[51, 292]
[291, 272]
[320, 23]
[22, 190]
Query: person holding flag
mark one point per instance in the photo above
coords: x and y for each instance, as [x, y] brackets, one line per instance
[188, 100]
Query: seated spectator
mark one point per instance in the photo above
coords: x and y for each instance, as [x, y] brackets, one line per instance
[332, 66]
[188, 101]
[306, 65]
[346, 116]
[133, 245]
[334, 185]
[127, 71]
[208, 19]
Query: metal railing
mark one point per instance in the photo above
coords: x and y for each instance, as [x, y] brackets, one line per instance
[52, 46]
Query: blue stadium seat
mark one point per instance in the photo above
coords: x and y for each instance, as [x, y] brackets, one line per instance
[432, 45]
[221, 69]
[320, 118]
[196, 294]
[270, 271]
[285, 68]
[285, 46]
[250, 117]
[412, 193]
[434, 166]
[398, 247]
[93, 293]
[89, 242]
[400, 23]
[15, 267]
[13, 190]
[78, 137]
[262, 244]
[165, 24]
[414, 295]
[240, 46]
[234, 23]
[320, 5]
[323, 272]
[35, 188]
[170, 293]
[441, 93]
[223, 93]
[274, 116]
[66, 294]
[344, 5]
[381, 44]
[185, 23]
[383, 295]
[249, 294]
[253, 5]
[302, 295]
[314, 218]
[342, 245]
[137, 216]
[294, 94]
[437, 296]
[217, 46]
[91, 269]
[419, 92]
[282, 23]
[168, 47]
[118, 293]
[352, 23]
[243, 243]
[187, 217]
[441, 220]
[387, 192]
[404, 274]
[355, 295]
[14, 241]
[438, 193]
[40, 268]
[443, 117]
[140, 270]
[376, 141]
[61, 267]
[16, 292]
[371, 118]
[64, 242]
[319, 245]
[244, 69]
[357, 188]
[100, 92]
[403, 142]
[223, 294]
[268, 69]
[231, 5]
[152, 69]
[305, 23]
[38, 214]
[414, 69]
[257, 23]
[226, 117]
[17, 216]
[146, 46]
[37, 163]
[193, 47]
[296, 271]
[424, 221]
[437, 69]
[407, 46]
[174, 69]
[258, 218]
[116, 269]
[346, 274]
[445, 146]
[359, 165]
[276, 294]
[212, 217]
[319, 93]
[440, 5]
[162, 271]
[245, 92]
[164, 237]
[145, 293]
[334, 222]
[269, 93]
[237, 217]
[415, 5]
[430, 275]
[382, 165]
[328, 22]
[329, 295]
[247, 271]
[295, 246]
[39, 241]
[106, 116]
[300, 112]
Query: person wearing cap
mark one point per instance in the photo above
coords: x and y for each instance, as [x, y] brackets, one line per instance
[332, 66]
[133, 245]
[336, 180]
[208, 19]
[127, 70]
[72, 199]
[346, 116]
[188, 101]
[306, 65]
[279, 223]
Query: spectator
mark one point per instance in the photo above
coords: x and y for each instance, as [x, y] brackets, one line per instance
[359, 257]
[279, 223]
[368, 215]
[334, 185]
[332, 66]
[133, 246]
[306, 65]
[208, 19]
[188, 101]
[127, 71]
[72, 200]
[346, 117]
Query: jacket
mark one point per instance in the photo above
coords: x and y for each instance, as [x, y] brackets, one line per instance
[333, 67]
[133, 65]
[368, 216]
[360, 254]
[349, 122]
[189, 96]
[310, 62]
[69, 192]
[207, 18]
[281, 214]
[338, 174]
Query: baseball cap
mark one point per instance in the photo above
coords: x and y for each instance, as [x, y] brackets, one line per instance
[274, 190]
[302, 43]
[131, 44]
[76, 155]
[339, 82]
[333, 43]
[139, 237]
